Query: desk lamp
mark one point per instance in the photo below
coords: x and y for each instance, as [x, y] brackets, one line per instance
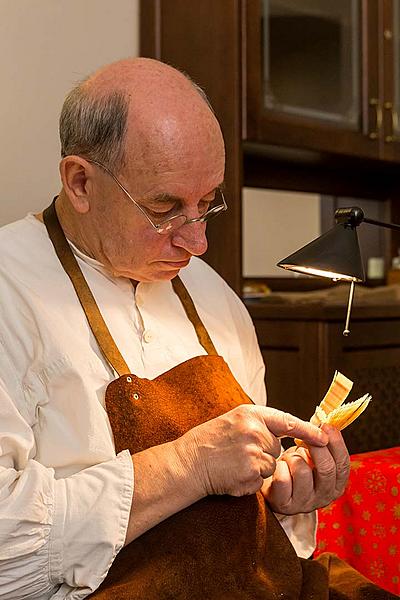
[335, 254]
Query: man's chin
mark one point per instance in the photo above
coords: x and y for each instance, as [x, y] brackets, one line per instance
[166, 275]
[161, 271]
[169, 270]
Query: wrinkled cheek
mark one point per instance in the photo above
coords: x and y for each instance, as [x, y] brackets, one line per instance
[141, 251]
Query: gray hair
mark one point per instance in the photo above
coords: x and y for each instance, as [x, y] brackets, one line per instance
[94, 126]
[200, 91]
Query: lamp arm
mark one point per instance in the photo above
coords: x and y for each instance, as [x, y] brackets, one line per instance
[346, 331]
[354, 216]
[381, 224]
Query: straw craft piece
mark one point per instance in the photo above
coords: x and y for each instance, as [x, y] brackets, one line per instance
[332, 410]
[342, 416]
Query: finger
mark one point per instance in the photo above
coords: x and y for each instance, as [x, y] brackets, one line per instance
[267, 465]
[284, 424]
[302, 477]
[338, 450]
[269, 443]
[280, 491]
[256, 486]
[332, 468]
[324, 474]
[305, 454]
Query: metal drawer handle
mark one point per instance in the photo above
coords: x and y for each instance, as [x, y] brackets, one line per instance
[395, 123]
[374, 103]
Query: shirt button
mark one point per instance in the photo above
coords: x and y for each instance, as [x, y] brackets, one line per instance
[148, 336]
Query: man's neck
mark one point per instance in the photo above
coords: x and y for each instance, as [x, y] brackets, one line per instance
[71, 225]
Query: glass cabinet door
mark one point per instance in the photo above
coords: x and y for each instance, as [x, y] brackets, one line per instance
[311, 59]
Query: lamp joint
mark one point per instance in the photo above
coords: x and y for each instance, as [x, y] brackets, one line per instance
[351, 217]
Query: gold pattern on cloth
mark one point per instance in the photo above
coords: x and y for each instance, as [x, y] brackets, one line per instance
[363, 526]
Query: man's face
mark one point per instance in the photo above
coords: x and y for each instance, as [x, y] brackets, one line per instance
[174, 159]
[129, 246]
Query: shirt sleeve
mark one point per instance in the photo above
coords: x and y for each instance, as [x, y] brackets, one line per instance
[56, 534]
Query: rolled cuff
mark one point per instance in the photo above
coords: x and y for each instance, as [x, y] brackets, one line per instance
[301, 530]
[91, 517]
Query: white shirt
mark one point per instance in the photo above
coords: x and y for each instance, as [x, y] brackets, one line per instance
[65, 496]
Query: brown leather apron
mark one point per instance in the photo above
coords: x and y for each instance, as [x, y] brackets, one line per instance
[221, 547]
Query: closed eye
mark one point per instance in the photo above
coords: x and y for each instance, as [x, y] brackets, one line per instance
[162, 210]
[169, 206]
[204, 205]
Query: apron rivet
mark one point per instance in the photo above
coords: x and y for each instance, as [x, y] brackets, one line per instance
[129, 379]
[136, 396]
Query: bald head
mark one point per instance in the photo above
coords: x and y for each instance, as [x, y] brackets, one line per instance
[146, 73]
[139, 114]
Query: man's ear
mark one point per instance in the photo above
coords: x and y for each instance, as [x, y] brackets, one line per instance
[76, 176]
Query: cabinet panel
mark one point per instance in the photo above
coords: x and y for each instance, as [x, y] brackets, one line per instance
[390, 50]
[293, 380]
[283, 391]
[376, 371]
[302, 353]
[309, 78]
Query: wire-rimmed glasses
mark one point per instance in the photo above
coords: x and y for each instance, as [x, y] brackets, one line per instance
[175, 221]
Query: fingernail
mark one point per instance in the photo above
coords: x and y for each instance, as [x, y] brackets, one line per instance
[327, 428]
[323, 436]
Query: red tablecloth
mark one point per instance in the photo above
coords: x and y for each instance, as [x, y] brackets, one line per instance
[363, 526]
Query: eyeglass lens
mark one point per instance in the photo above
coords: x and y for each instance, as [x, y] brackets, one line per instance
[173, 223]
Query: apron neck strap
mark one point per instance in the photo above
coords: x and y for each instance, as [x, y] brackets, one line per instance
[193, 316]
[96, 322]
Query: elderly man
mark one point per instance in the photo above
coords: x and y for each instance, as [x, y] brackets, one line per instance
[136, 458]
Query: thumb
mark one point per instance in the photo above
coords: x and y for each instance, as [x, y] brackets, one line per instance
[283, 424]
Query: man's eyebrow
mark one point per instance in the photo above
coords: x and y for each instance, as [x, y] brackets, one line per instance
[167, 198]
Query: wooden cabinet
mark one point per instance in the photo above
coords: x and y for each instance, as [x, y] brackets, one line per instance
[305, 85]
[220, 45]
[303, 345]
[324, 75]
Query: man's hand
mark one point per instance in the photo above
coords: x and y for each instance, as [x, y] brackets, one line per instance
[306, 479]
[231, 454]
[234, 453]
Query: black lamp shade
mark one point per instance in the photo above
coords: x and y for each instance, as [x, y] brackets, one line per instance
[334, 254]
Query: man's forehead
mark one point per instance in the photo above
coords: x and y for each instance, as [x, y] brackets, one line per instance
[185, 158]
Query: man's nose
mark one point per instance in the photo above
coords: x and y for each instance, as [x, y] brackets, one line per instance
[192, 238]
